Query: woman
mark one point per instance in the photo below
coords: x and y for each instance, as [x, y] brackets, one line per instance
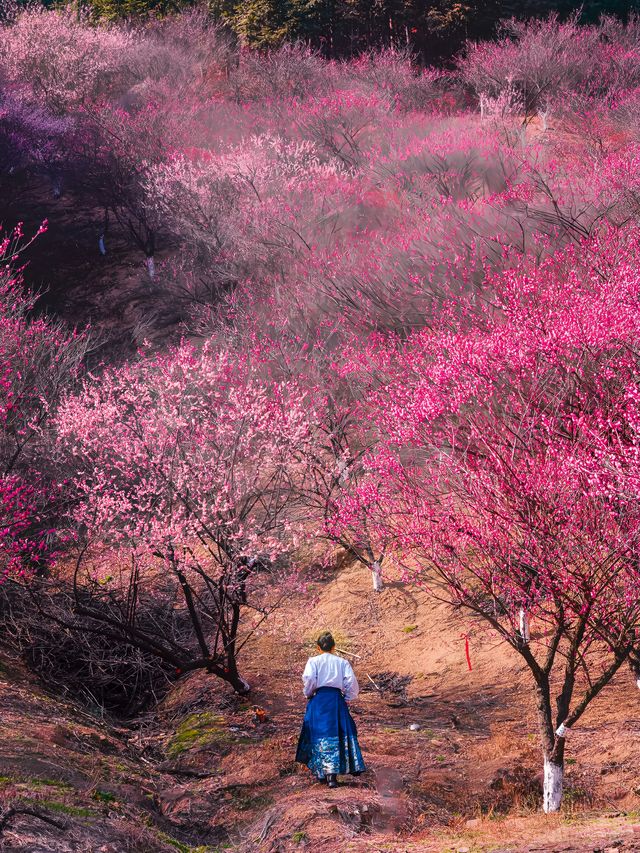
[328, 742]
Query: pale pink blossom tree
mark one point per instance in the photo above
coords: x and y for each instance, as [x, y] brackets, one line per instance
[186, 462]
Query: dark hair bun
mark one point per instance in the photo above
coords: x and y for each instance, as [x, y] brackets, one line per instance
[326, 641]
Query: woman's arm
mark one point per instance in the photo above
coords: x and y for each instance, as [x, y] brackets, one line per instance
[350, 686]
[309, 680]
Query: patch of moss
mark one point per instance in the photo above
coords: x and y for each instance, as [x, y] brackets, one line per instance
[196, 731]
[180, 845]
[297, 837]
[5, 780]
[409, 628]
[38, 784]
[63, 808]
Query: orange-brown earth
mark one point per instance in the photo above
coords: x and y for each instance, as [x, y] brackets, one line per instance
[201, 773]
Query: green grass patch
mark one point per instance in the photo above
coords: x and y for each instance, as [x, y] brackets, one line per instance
[298, 837]
[199, 730]
[409, 628]
[103, 796]
[63, 808]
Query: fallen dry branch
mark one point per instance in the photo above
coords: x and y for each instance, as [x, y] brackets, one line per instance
[15, 811]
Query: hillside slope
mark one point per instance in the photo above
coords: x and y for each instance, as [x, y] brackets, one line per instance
[202, 770]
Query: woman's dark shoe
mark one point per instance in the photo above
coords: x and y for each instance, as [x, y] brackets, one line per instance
[332, 782]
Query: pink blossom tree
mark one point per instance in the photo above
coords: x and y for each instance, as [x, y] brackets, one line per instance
[186, 463]
[58, 60]
[39, 360]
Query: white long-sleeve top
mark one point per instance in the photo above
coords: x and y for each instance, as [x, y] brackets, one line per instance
[327, 670]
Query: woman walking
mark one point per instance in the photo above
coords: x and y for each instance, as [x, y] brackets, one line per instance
[328, 742]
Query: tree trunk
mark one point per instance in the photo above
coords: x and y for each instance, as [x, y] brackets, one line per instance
[151, 266]
[552, 748]
[523, 626]
[376, 575]
[56, 186]
[552, 787]
[235, 679]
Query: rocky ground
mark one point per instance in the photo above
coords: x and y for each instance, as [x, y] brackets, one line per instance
[203, 772]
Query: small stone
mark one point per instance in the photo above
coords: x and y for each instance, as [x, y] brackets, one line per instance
[463, 850]
[472, 823]
[414, 727]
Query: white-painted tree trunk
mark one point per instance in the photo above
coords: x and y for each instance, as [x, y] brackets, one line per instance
[523, 135]
[151, 266]
[638, 683]
[101, 245]
[552, 787]
[543, 116]
[343, 471]
[523, 626]
[376, 574]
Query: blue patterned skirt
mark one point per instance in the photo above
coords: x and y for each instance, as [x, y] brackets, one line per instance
[329, 739]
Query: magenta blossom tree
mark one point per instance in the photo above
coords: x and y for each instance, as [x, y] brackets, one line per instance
[505, 448]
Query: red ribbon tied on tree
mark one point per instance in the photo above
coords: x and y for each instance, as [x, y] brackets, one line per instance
[465, 637]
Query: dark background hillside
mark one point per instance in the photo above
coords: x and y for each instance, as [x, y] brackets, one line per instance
[434, 30]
